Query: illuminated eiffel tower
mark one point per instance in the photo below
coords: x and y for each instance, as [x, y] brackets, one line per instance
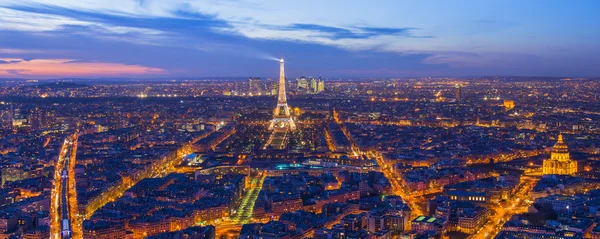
[282, 120]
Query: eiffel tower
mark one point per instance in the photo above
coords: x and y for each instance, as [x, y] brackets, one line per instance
[282, 120]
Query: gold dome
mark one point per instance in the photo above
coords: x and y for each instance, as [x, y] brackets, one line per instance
[559, 161]
[560, 146]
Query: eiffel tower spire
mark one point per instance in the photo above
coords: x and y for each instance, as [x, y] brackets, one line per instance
[281, 115]
[281, 98]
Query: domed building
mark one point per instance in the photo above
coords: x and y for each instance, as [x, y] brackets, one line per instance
[560, 161]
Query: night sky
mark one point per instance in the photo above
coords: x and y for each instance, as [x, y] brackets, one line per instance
[240, 38]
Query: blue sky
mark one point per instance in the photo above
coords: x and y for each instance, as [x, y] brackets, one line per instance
[179, 38]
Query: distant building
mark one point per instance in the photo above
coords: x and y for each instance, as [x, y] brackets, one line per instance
[255, 86]
[560, 161]
[272, 87]
[354, 222]
[596, 232]
[313, 85]
[8, 222]
[519, 229]
[463, 217]
[424, 224]
[41, 232]
[320, 86]
[271, 230]
[458, 93]
[509, 104]
[301, 84]
[564, 205]
[195, 232]
[103, 230]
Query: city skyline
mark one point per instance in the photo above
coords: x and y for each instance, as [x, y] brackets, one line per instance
[156, 119]
[149, 39]
[451, 158]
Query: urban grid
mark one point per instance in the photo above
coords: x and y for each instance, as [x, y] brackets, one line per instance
[114, 156]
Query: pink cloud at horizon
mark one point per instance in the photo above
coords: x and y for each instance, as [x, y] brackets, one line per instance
[11, 67]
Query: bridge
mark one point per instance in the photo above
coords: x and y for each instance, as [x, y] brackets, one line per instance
[65, 221]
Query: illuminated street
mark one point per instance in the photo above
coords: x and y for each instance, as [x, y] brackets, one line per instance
[299, 119]
[243, 214]
[397, 188]
[160, 168]
[229, 227]
[504, 211]
[66, 221]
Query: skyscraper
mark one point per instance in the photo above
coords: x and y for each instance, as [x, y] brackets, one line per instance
[458, 93]
[272, 87]
[313, 85]
[320, 86]
[255, 86]
[302, 84]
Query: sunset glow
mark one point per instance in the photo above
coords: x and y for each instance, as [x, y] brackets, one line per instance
[69, 68]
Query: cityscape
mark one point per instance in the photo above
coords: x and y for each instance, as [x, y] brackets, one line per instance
[93, 149]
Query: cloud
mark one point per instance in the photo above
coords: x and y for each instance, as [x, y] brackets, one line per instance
[446, 33]
[157, 23]
[9, 61]
[457, 59]
[18, 51]
[34, 22]
[499, 60]
[56, 22]
[189, 24]
[70, 68]
[335, 33]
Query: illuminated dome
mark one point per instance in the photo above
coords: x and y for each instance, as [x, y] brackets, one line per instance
[560, 162]
[560, 146]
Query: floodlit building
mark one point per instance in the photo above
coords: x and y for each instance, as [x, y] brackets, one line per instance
[560, 161]
[509, 104]
[281, 115]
